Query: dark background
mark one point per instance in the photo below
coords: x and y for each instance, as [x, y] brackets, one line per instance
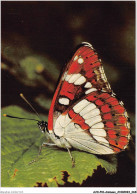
[52, 30]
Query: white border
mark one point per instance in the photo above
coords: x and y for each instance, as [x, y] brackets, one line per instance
[67, 190]
[77, 190]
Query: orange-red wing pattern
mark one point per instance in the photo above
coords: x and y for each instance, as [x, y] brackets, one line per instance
[114, 119]
[84, 81]
[86, 63]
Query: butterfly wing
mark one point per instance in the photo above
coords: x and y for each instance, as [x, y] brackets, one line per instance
[83, 73]
[85, 109]
[97, 123]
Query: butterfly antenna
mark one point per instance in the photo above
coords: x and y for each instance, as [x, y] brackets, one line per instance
[23, 97]
[5, 115]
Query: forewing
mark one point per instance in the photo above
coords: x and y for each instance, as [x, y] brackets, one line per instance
[83, 74]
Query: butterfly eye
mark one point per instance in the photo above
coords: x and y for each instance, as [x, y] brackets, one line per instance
[42, 126]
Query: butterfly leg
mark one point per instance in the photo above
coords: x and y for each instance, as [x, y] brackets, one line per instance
[72, 159]
[44, 145]
[40, 149]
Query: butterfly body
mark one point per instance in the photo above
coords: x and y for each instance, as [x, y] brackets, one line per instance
[85, 113]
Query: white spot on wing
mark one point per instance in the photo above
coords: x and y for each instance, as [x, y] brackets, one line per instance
[64, 120]
[121, 103]
[80, 60]
[103, 76]
[78, 107]
[99, 125]
[101, 139]
[101, 69]
[58, 128]
[64, 101]
[65, 74]
[87, 44]
[68, 77]
[90, 90]
[61, 123]
[98, 132]
[75, 58]
[125, 114]
[127, 125]
[129, 136]
[92, 113]
[88, 108]
[74, 77]
[88, 85]
[80, 81]
[59, 131]
[93, 120]
[69, 128]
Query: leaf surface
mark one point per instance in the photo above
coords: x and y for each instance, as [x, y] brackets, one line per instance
[21, 140]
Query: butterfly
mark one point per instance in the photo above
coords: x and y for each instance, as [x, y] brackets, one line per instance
[85, 113]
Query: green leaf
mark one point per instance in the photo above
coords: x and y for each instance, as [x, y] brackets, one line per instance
[20, 145]
[36, 66]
